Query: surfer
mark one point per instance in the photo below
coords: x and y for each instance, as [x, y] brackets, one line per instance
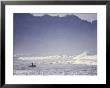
[32, 65]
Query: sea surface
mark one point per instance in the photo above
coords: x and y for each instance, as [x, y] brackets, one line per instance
[23, 68]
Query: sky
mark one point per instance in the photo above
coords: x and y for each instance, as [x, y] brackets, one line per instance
[85, 16]
[54, 34]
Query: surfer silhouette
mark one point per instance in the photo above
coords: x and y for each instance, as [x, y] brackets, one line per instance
[32, 65]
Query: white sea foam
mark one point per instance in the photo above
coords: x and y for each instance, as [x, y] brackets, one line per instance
[82, 58]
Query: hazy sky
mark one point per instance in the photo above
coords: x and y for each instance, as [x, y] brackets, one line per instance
[85, 16]
[89, 16]
[54, 34]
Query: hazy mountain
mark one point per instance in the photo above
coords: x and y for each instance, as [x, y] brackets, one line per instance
[53, 35]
